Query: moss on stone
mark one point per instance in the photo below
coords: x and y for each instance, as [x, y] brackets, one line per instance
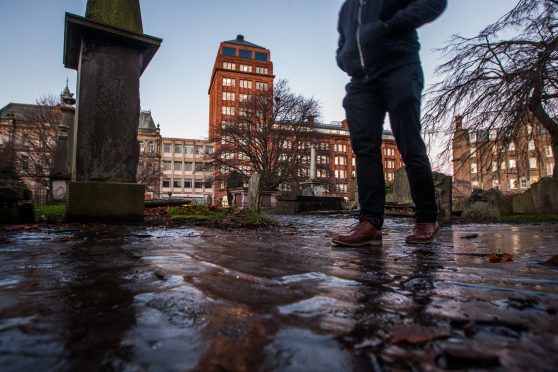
[123, 14]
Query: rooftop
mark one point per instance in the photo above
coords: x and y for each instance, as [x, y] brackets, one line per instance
[240, 41]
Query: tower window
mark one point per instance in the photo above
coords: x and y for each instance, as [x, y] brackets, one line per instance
[245, 54]
[229, 51]
[261, 56]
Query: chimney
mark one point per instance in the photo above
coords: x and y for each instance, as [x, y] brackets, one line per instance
[239, 37]
[311, 119]
[458, 122]
[345, 124]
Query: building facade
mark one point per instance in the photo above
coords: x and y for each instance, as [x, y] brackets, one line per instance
[187, 170]
[28, 138]
[240, 69]
[481, 160]
[337, 162]
[149, 164]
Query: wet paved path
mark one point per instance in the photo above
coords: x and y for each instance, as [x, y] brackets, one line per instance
[286, 300]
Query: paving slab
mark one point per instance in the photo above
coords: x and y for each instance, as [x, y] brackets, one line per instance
[174, 299]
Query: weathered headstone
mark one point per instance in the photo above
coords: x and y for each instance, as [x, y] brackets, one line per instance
[443, 187]
[541, 198]
[486, 205]
[110, 52]
[444, 195]
[16, 205]
[254, 192]
[401, 189]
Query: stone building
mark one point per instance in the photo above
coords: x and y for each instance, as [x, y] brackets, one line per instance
[149, 165]
[187, 171]
[336, 160]
[241, 68]
[482, 160]
[28, 139]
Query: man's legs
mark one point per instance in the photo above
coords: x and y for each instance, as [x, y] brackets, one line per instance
[365, 111]
[403, 89]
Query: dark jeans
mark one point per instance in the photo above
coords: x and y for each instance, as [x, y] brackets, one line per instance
[397, 92]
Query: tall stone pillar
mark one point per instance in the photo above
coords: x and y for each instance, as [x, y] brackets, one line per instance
[61, 167]
[110, 52]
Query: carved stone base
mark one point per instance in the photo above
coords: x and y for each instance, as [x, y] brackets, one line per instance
[105, 202]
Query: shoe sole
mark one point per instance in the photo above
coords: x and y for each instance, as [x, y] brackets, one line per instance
[370, 242]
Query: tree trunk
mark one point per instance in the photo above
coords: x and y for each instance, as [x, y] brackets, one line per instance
[554, 146]
[548, 123]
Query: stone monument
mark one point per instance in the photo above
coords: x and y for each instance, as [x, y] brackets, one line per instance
[312, 187]
[110, 52]
[61, 167]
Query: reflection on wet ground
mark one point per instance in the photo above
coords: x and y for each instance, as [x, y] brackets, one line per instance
[195, 299]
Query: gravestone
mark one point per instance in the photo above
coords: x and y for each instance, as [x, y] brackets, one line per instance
[443, 187]
[254, 192]
[541, 198]
[486, 205]
[110, 52]
[16, 204]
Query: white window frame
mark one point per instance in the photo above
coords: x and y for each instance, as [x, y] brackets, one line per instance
[228, 96]
[474, 168]
[229, 82]
[260, 85]
[531, 145]
[512, 164]
[245, 68]
[473, 137]
[229, 66]
[246, 84]
[227, 110]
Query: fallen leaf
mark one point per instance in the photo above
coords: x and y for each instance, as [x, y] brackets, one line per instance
[507, 257]
[494, 258]
[416, 334]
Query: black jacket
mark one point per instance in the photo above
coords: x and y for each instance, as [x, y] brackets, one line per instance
[376, 36]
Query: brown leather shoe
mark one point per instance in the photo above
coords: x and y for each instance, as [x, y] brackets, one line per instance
[423, 233]
[364, 233]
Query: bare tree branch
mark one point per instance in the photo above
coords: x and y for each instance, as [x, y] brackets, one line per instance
[270, 134]
[498, 82]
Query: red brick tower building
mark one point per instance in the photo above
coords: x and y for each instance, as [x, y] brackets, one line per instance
[240, 69]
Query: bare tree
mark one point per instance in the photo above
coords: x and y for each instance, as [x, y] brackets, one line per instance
[34, 141]
[270, 133]
[500, 83]
[149, 172]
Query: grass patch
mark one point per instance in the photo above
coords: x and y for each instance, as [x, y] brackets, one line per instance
[219, 217]
[52, 212]
[526, 218]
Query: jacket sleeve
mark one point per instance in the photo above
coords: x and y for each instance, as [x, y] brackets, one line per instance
[341, 41]
[416, 14]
